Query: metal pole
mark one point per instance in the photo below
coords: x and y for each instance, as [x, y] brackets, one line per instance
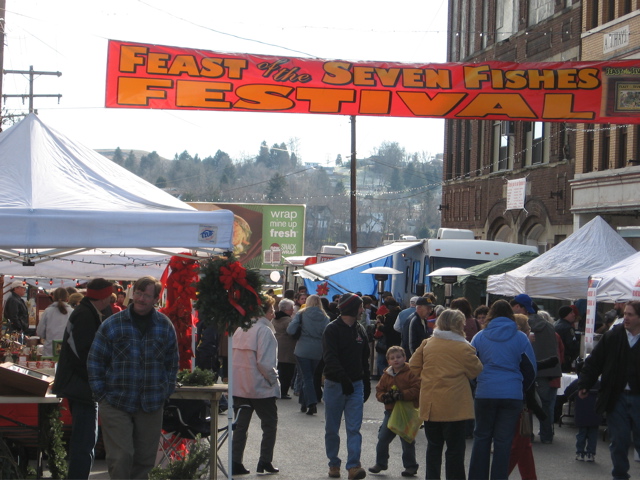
[354, 224]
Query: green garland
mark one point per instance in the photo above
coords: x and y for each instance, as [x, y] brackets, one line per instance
[54, 443]
[213, 303]
[199, 377]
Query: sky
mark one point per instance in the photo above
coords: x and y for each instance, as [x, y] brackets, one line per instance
[70, 36]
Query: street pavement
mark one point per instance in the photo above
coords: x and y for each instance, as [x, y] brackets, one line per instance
[299, 451]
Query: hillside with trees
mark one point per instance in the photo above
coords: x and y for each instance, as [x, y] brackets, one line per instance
[397, 192]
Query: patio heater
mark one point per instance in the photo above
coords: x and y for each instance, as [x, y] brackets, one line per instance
[381, 275]
[449, 277]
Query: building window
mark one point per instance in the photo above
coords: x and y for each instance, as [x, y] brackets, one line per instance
[485, 24]
[626, 7]
[464, 28]
[610, 10]
[449, 165]
[539, 10]
[537, 143]
[589, 151]
[458, 173]
[506, 18]
[605, 147]
[502, 145]
[622, 147]
[467, 148]
[592, 13]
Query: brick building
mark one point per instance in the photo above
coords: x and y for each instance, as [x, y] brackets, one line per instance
[563, 163]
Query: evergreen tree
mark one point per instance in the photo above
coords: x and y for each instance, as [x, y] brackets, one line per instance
[339, 160]
[118, 157]
[277, 189]
[130, 163]
[161, 182]
[263, 155]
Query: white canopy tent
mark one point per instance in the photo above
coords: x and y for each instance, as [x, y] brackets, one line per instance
[563, 272]
[617, 282]
[67, 206]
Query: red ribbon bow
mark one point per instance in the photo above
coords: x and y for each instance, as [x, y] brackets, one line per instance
[234, 274]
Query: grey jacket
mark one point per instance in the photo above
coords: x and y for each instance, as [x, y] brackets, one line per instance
[313, 321]
[545, 345]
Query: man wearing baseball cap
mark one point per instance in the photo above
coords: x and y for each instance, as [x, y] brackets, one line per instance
[345, 351]
[15, 310]
[72, 380]
[422, 323]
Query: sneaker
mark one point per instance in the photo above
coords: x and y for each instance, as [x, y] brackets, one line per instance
[410, 472]
[590, 457]
[377, 468]
[580, 457]
[334, 472]
[356, 473]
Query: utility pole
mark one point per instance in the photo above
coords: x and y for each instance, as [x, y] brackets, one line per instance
[32, 74]
[354, 215]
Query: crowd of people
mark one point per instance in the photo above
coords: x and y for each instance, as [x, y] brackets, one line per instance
[462, 373]
[480, 374]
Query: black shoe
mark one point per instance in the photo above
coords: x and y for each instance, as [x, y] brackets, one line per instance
[285, 397]
[303, 408]
[238, 469]
[266, 467]
[312, 409]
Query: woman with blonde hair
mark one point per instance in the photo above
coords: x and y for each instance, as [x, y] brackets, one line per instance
[309, 323]
[446, 363]
[54, 320]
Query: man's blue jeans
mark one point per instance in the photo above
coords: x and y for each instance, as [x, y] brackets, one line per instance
[385, 437]
[548, 396]
[84, 435]
[496, 420]
[623, 421]
[308, 393]
[335, 404]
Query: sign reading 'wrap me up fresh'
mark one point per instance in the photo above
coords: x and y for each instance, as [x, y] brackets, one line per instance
[263, 233]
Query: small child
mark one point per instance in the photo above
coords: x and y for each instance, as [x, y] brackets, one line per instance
[396, 383]
[587, 420]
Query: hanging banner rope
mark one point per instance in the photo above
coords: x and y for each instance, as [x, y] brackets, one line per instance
[154, 76]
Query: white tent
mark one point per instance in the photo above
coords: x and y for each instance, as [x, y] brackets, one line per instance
[563, 272]
[617, 282]
[62, 203]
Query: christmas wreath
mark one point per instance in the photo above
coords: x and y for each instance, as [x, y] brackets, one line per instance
[228, 294]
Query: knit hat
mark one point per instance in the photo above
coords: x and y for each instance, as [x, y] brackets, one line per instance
[564, 311]
[349, 302]
[525, 300]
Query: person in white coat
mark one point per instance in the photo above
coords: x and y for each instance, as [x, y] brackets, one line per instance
[54, 320]
[256, 384]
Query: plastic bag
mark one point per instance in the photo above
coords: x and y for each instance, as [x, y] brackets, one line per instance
[404, 420]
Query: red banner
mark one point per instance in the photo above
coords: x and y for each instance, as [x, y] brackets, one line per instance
[153, 76]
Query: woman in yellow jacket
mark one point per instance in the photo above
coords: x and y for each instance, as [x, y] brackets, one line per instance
[446, 363]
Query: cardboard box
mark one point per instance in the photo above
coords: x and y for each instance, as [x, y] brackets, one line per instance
[19, 380]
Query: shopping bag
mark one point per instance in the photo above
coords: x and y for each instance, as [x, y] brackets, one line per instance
[404, 420]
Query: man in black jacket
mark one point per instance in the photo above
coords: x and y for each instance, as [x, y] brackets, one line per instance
[617, 358]
[72, 380]
[345, 351]
[565, 328]
[15, 310]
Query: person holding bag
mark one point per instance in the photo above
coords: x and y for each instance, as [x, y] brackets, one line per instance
[446, 363]
[309, 323]
[397, 384]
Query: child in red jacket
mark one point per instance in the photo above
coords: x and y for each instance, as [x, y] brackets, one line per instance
[396, 383]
